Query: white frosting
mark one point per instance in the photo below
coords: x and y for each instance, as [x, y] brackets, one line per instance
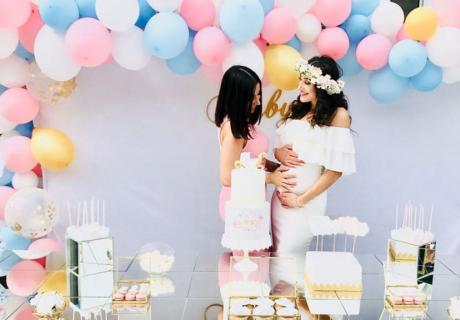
[87, 232]
[288, 311]
[323, 225]
[263, 311]
[262, 301]
[241, 302]
[248, 183]
[333, 268]
[454, 308]
[284, 302]
[240, 311]
[44, 303]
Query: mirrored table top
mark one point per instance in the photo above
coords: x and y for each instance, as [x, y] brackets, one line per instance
[192, 289]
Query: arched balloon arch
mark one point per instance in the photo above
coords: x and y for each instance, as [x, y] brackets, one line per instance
[45, 43]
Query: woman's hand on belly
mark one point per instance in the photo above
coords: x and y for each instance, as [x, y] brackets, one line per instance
[289, 200]
[287, 156]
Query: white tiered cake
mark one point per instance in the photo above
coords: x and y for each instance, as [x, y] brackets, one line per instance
[247, 220]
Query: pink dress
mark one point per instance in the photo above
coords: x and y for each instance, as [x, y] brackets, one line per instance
[255, 146]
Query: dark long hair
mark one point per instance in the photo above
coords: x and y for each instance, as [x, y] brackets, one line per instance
[326, 105]
[235, 101]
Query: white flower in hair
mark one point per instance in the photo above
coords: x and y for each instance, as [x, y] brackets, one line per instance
[315, 76]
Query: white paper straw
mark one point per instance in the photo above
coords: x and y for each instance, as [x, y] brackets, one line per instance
[69, 212]
[397, 216]
[103, 212]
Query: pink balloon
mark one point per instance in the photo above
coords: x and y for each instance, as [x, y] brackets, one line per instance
[5, 194]
[211, 46]
[17, 105]
[261, 44]
[28, 32]
[373, 51]
[17, 154]
[44, 244]
[25, 314]
[331, 13]
[13, 14]
[25, 278]
[280, 26]
[265, 81]
[402, 34]
[198, 13]
[211, 73]
[88, 42]
[448, 12]
[333, 42]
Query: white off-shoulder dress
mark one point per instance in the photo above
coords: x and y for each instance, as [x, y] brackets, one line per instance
[320, 148]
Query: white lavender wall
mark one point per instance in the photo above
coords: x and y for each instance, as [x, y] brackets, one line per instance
[144, 144]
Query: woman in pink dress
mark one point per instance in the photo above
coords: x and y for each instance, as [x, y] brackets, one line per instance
[238, 111]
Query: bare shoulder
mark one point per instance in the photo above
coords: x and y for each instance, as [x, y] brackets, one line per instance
[341, 118]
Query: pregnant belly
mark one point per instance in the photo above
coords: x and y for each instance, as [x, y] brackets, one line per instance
[305, 176]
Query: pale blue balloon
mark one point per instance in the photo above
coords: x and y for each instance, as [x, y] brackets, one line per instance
[11, 241]
[59, 14]
[295, 43]
[408, 58]
[386, 86]
[429, 79]
[2, 89]
[349, 63]
[7, 261]
[357, 27]
[242, 20]
[185, 63]
[364, 7]
[87, 8]
[23, 53]
[267, 5]
[25, 129]
[6, 177]
[145, 13]
[166, 35]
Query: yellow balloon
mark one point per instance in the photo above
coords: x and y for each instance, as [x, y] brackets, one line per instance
[280, 62]
[55, 281]
[421, 23]
[52, 148]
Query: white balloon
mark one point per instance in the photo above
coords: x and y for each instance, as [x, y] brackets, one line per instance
[165, 5]
[451, 75]
[309, 50]
[9, 39]
[444, 47]
[118, 15]
[248, 55]
[8, 134]
[387, 19]
[217, 4]
[309, 27]
[52, 57]
[5, 127]
[128, 49]
[298, 7]
[25, 180]
[14, 71]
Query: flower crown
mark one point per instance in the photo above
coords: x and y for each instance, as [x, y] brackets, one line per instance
[315, 76]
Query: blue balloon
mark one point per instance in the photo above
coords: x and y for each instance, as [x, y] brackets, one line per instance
[349, 63]
[11, 241]
[357, 27]
[2, 89]
[295, 43]
[145, 13]
[87, 8]
[364, 7]
[23, 53]
[7, 261]
[6, 177]
[429, 79]
[386, 86]
[166, 35]
[59, 14]
[241, 20]
[25, 129]
[186, 62]
[267, 5]
[408, 58]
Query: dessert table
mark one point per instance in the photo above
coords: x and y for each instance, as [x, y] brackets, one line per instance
[192, 287]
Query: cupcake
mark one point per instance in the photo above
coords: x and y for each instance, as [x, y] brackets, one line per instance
[241, 302]
[130, 296]
[287, 313]
[118, 296]
[239, 313]
[263, 313]
[284, 303]
[262, 301]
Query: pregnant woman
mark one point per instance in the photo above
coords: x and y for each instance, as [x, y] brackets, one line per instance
[315, 141]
